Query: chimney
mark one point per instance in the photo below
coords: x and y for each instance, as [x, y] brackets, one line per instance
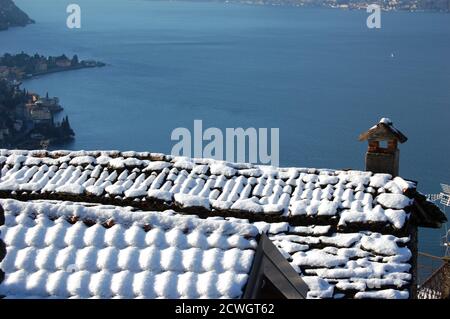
[383, 155]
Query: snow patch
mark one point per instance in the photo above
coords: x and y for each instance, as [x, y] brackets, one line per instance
[186, 200]
[383, 294]
[161, 195]
[395, 201]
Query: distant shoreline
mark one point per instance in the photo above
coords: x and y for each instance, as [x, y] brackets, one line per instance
[400, 6]
[33, 123]
[71, 68]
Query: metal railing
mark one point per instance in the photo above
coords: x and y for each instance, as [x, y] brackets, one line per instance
[433, 277]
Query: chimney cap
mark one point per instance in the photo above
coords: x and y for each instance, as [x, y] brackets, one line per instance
[386, 120]
[383, 131]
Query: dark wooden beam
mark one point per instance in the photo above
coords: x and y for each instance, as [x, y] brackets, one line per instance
[270, 265]
[2, 244]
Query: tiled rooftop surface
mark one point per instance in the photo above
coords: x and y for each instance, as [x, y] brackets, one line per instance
[66, 250]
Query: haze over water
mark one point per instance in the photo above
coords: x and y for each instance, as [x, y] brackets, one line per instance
[320, 75]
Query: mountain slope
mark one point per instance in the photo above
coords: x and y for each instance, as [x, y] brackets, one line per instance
[12, 16]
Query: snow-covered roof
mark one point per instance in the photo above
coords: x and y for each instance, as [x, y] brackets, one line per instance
[70, 250]
[347, 233]
[159, 182]
[360, 264]
[78, 250]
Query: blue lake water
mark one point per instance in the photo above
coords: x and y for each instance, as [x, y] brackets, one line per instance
[319, 75]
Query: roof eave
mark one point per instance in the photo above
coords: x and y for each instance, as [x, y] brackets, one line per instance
[427, 214]
[389, 129]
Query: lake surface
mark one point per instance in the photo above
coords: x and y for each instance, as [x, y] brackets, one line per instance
[320, 75]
